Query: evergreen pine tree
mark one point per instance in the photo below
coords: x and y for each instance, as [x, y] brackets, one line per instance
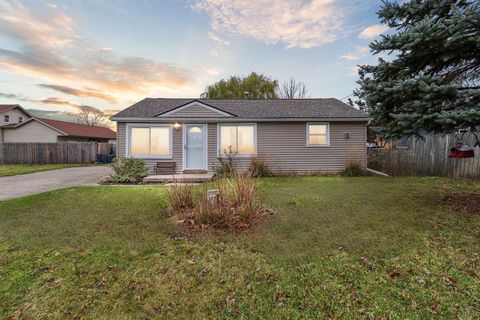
[428, 74]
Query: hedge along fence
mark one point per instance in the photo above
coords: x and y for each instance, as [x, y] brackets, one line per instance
[429, 157]
[52, 153]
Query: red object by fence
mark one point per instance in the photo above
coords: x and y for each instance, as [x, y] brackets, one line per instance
[455, 153]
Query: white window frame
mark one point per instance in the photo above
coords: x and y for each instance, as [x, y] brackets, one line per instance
[221, 154]
[148, 156]
[20, 119]
[6, 118]
[308, 134]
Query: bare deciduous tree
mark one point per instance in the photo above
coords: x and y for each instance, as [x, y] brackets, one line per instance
[293, 89]
[90, 116]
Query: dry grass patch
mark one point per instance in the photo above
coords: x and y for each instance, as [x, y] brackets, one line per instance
[469, 202]
[229, 203]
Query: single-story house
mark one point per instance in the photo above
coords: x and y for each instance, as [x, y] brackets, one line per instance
[17, 125]
[293, 136]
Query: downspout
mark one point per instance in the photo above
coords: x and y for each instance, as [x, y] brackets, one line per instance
[377, 172]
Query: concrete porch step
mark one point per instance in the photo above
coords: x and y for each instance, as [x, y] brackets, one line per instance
[181, 177]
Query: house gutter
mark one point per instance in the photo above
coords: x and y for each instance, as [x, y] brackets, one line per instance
[234, 119]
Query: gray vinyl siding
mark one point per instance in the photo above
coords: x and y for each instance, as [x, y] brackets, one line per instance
[32, 131]
[283, 146]
[121, 139]
[196, 112]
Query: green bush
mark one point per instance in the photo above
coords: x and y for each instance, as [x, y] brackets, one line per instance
[128, 170]
[259, 168]
[353, 169]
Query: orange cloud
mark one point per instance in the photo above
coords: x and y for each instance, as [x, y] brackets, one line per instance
[87, 93]
[62, 102]
[51, 48]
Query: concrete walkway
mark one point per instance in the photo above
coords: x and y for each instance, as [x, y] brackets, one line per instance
[26, 184]
[179, 178]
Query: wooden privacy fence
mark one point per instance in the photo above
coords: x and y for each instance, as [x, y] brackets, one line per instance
[427, 157]
[52, 153]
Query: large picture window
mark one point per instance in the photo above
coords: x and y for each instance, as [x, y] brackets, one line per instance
[239, 138]
[150, 142]
[318, 134]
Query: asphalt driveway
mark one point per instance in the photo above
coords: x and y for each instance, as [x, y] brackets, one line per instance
[26, 184]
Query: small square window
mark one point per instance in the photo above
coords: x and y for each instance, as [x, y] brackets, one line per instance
[318, 134]
[20, 119]
[6, 118]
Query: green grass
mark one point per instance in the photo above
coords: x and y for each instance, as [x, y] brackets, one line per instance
[15, 169]
[336, 248]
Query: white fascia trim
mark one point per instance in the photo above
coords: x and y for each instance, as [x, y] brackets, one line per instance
[35, 119]
[191, 104]
[128, 132]
[239, 120]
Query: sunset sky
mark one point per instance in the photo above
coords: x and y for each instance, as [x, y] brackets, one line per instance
[57, 55]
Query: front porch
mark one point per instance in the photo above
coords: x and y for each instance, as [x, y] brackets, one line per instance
[180, 177]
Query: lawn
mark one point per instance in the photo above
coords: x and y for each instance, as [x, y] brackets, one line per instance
[15, 169]
[336, 247]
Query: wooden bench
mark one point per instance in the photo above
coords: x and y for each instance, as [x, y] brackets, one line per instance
[165, 167]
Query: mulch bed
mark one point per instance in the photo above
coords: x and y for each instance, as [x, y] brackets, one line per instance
[469, 202]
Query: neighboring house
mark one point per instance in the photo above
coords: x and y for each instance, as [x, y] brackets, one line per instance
[10, 116]
[297, 136]
[20, 126]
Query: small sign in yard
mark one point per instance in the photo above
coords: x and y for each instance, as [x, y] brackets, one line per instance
[213, 196]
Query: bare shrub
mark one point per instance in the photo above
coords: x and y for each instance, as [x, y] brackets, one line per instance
[236, 206]
[259, 168]
[181, 196]
[227, 166]
[353, 169]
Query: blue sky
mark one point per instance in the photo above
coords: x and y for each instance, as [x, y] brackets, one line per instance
[57, 55]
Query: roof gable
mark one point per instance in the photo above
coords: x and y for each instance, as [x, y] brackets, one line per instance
[195, 109]
[7, 107]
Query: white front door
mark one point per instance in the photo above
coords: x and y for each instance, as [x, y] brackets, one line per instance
[195, 147]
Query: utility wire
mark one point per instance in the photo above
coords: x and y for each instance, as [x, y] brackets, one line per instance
[351, 94]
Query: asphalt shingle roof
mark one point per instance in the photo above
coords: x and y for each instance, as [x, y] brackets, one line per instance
[80, 130]
[5, 107]
[250, 109]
